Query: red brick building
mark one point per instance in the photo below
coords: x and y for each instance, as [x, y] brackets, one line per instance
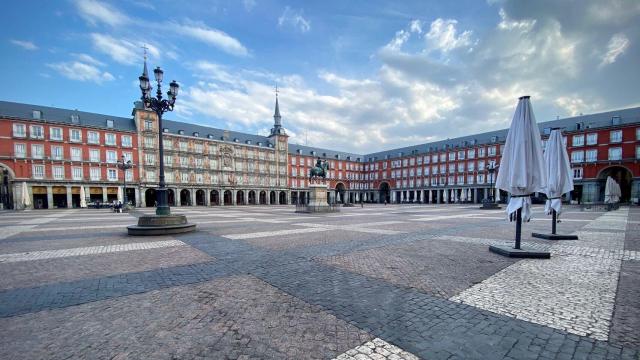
[53, 153]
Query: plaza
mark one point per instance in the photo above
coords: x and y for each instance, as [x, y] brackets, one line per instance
[372, 282]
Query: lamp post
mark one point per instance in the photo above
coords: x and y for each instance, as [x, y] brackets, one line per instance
[159, 106]
[124, 166]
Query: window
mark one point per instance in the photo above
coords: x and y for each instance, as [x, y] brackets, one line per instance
[151, 175]
[492, 151]
[37, 151]
[148, 125]
[36, 114]
[637, 152]
[112, 174]
[481, 152]
[434, 158]
[36, 131]
[577, 156]
[75, 135]
[615, 136]
[592, 139]
[112, 157]
[149, 143]
[481, 166]
[95, 173]
[592, 155]
[461, 167]
[55, 133]
[77, 173]
[198, 148]
[471, 153]
[577, 173]
[58, 172]
[615, 153]
[93, 137]
[94, 155]
[20, 150]
[470, 179]
[480, 178]
[129, 175]
[199, 163]
[452, 156]
[150, 159]
[185, 177]
[56, 152]
[19, 130]
[199, 178]
[38, 171]
[183, 146]
[637, 133]
[461, 155]
[126, 140]
[75, 119]
[577, 140]
[110, 124]
[110, 139]
[471, 165]
[184, 161]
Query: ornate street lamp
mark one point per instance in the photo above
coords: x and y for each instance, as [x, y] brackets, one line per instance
[124, 166]
[159, 106]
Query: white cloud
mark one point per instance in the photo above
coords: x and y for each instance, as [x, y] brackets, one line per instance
[124, 51]
[214, 37]
[249, 4]
[617, 45]
[87, 59]
[416, 26]
[295, 19]
[27, 45]
[574, 105]
[76, 70]
[443, 35]
[95, 12]
[524, 25]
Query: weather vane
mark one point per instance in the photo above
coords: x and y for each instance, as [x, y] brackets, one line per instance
[144, 46]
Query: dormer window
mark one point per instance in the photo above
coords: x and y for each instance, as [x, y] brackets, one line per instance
[615, 120]
[196, 134]
[110, 123]
[210, 136]
[75, 119]
[235, 140]
[299, 151]
[270, 145]
[248, 142]
[181, 132]
[165, 130]
[313, 153]
[494, 139]
[37, 114]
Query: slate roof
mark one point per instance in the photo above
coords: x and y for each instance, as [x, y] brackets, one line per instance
[63, 116]
[599, 120]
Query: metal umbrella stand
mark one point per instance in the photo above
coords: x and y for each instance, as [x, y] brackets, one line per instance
[522, 173]
[559, 182]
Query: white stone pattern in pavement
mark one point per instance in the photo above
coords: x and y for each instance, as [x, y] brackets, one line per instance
[89, 250]
[377, 349]
[574, 291]
[311, 227]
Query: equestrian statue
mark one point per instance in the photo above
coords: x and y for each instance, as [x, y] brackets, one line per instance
[319, 171]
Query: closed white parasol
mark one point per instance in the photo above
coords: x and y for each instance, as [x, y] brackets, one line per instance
[611, 191]
[26, 199]
[522, 171]
[559, 174]
[83, 200]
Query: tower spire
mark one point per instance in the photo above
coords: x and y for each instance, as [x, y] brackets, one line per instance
[277, 119]
[144, 70]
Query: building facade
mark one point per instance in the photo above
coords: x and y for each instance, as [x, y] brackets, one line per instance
[59, 154]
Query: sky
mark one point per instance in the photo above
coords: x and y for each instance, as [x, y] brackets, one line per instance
[357, 76]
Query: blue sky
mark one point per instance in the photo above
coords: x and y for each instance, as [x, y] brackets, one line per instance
[358, 76]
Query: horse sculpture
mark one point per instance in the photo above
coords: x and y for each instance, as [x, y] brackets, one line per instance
[319, 171]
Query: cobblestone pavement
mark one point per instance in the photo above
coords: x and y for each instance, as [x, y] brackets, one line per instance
[380, 282]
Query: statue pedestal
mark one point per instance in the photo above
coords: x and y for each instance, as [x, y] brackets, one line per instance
[317, 201]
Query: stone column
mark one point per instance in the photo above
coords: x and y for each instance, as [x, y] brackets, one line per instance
[393, 197]
[207, 197]
[141, 199]
[475, 196]
[176, 196]
[233, 197]
[49, 197]
[104, 194]
[193, 197]
[69, 197]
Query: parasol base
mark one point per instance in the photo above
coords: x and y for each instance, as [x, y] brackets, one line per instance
[490, 206]
[554, 236]
[519, 253]
[152, 225]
